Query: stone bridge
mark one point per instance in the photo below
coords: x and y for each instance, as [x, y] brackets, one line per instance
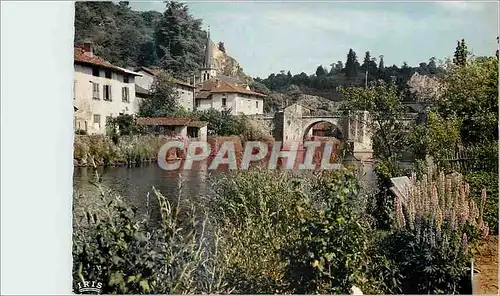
[295, 123]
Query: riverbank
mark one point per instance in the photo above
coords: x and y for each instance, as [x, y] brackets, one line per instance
[99, 150]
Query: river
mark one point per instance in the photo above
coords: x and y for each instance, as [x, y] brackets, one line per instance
[135, 183]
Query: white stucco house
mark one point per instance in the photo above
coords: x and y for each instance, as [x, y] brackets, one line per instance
[184, 89]
[221, 95]
[224, 93]
[100, 90]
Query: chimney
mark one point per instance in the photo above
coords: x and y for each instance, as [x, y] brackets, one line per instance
[217, 81]
[87, 48]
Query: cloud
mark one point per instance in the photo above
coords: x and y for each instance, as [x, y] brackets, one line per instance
[459, 6]
[365, 24]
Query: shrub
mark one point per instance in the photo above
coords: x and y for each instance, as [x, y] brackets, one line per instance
[126, 254]
[435, 226]
[257, 210]
[80, 132]
[330, 255]
[382, 204]
[489, 181]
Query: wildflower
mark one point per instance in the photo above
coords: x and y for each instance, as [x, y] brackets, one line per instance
[453, 219]
[411, 213]
[315, 263]
[485, 230]
[400, 219]
[464, 242]
[434, 198]
[439, 218]
[473, 212]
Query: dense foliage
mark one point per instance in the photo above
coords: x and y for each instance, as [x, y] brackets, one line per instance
[172, 40]
[324, 83]
[268, 232]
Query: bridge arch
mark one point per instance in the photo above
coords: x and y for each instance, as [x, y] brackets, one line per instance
[308, 124]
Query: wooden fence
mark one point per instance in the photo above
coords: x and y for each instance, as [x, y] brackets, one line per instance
[467, 158]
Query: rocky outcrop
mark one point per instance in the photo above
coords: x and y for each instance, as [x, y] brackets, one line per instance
[318, 105]
[227, 65]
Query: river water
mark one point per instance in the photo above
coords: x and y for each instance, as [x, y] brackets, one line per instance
[134, 184]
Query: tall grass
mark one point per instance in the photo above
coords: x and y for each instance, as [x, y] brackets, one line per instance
[133, 149]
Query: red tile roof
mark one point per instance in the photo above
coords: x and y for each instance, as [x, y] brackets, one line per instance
[170, 121]
[220, 86]
[82, 58]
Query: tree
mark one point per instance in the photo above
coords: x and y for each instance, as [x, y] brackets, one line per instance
[381, 63]
[220, 123]
[390, 137]
[366, 62]
[179, 40]
[383, 102]
[498, 40]
[164, 99]
[320, 71]
[221, 47]
[351, 65]
[460, 57]
[337, 67]
[472, 95]
[425, 88]
[432, 66]
[147, 55]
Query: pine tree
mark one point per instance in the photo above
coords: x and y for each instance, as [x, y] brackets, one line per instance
[366, 62]
[460, 56]
[351, 64]
[320, 71]
[381, 63]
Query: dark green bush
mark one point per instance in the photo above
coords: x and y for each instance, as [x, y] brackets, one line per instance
[331, 254]
[427, 263]
[488, 180]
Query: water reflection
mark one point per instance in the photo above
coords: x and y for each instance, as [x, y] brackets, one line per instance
[134, 184]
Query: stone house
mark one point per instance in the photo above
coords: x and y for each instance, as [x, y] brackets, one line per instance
[223, 92]
[220, 95]
[100, 90]
[184, 89]
[175, 126]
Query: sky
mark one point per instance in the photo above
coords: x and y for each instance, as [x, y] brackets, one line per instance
[267, 37]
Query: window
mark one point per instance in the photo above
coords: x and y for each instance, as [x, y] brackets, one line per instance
[97, 120]
[125, 78]
[86, 126]
[223, 102]
[107, 92]
[95, 71]
[257, 104]
[192, 132]
[125, 95]
[95, 91]
[107, 74]
[198, 103]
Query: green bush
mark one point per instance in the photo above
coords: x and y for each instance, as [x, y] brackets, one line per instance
[131, 149]
[331, 254]
[127, 255]
[258, 210]
[488, 180]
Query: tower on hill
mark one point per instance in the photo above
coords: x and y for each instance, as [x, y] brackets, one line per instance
[208, 71]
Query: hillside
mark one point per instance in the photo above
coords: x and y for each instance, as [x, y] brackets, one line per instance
[131, 38]
[227, 65]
